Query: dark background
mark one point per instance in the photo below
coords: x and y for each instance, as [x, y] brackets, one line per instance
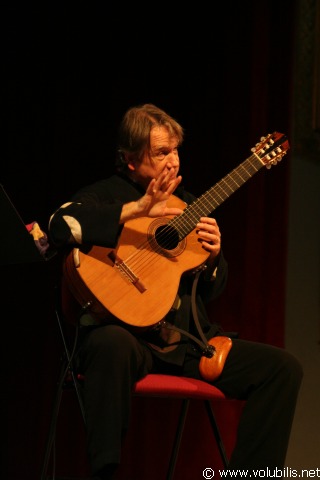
[70, 71]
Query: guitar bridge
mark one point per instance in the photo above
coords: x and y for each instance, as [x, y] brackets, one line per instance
[126, 272]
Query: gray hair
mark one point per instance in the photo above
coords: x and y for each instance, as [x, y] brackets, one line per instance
[135, 128]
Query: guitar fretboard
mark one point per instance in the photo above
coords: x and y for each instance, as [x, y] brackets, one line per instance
[215, 196]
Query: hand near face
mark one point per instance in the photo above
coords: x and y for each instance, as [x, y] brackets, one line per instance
[154, 202]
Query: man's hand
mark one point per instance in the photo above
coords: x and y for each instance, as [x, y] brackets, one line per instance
[210, 236]
[154, 202]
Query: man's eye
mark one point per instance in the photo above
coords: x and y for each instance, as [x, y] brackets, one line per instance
[162, 154]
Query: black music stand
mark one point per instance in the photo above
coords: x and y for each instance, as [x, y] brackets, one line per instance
[17, 244]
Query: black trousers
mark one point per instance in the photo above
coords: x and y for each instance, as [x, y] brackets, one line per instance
[267, 377]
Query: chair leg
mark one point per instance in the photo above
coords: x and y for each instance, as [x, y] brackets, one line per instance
[217, 434]
[178, 436]
[77, 386]
[53, 423]
[65, 369]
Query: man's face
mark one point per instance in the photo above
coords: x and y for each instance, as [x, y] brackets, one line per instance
[162, 156]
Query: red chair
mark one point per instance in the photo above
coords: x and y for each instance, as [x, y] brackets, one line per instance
[185, 390]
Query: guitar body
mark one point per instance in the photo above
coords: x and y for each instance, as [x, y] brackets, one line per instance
[146, 295]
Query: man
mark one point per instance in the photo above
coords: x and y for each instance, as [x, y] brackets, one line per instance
[113, 357]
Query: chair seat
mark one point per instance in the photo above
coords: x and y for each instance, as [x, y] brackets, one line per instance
[160, 385]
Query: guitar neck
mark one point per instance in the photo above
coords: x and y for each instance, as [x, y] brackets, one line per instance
[215, 196]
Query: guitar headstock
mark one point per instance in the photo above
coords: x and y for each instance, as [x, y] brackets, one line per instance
[271, 148]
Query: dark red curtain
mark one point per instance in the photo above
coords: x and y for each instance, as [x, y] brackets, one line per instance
[70, 73]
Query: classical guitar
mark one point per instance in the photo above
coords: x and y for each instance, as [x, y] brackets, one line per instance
[138, 281]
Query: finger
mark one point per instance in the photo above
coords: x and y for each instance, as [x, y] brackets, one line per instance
[173, 185]
[173, 211]
[210, 220]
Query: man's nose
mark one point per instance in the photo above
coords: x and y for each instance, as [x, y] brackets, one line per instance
[173, 159]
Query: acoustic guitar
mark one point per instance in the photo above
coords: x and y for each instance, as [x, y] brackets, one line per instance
[138, 281]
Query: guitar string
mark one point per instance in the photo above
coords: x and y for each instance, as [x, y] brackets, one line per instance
[136, 261]
[182, 224]
[139, 258]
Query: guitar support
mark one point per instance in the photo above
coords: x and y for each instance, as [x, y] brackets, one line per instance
[210, 368]
[207, 350]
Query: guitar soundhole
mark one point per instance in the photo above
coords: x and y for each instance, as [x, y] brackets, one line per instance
[167, 237]
[164, 239]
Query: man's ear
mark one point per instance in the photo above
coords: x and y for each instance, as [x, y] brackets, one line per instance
[130, 163]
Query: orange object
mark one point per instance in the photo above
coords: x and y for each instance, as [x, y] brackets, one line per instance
[211, 368]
